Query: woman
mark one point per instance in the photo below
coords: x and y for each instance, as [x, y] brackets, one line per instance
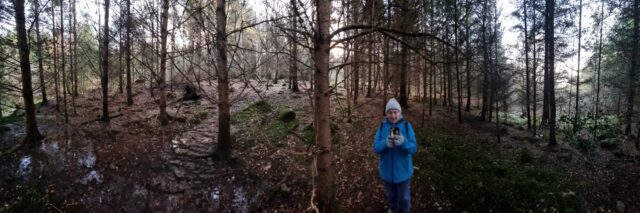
[395, 144]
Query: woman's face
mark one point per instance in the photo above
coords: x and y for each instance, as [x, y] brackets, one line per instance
[393, 115]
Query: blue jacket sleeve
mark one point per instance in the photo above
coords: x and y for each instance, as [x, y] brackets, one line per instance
[379, 143]
[410, 144]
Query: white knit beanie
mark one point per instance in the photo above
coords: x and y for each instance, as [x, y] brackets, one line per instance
[393, 104]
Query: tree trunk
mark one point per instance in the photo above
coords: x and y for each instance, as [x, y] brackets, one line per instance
[43, 87]
[120, 64]
[70, 50]
[424, 92]
[631, 82]
[73, 60]
[322, 113]
[385, 76]
[636, 55]
[224, 116]
[468, 57]
[432, 75]
[575, 121]
[445, 70]
[526, 67]
[75, 54]
[596, 113]
[293, 63]
[403, 76]
[369, 74]
[498, 121]
[55, 57]
[153, 58]
[550, 56]
[404, 66]
[356, 53]
[496, 66]
[164, 20]
[433, 81]
[457, 43]
[449, 74]
[105, 64]
[62, 66]
[33, 135]
[546, 81]
[534, 73]
[485, 74]
[491, 72]
[128, 53]
[376, 73]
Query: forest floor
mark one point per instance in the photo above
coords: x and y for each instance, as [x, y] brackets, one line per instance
[135, 165]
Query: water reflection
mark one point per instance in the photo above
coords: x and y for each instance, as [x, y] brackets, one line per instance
[240, 200]
[215, 194]
[24, 167]
[92, 176]
[87, 159]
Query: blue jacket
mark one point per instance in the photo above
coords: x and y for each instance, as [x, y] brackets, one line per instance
[396, 163]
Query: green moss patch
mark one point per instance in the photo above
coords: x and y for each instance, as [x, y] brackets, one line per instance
[473, 177]
[253, 110]
[278, 130]
[13, 118]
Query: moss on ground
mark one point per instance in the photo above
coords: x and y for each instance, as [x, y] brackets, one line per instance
[253, 110]
[13, 118]
[473, 177]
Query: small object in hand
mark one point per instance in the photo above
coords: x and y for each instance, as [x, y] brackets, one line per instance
[395, 131]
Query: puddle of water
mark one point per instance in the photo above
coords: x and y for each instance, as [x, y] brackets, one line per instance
[175, 142]
[92, 176]
[240, 203]
[55, 156]
[215, 194]
[24, 168]
[86, 156]
[12, 133]
[87, 159]
[11, 127]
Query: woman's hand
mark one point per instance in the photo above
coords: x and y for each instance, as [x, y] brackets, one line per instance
[390, 141]
[399, 140]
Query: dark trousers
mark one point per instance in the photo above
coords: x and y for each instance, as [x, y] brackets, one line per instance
[398, 196]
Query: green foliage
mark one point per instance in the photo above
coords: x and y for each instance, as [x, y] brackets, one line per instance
[513, 120]
[586, 135]
[277, 130]
[608, 127]
[473, 181]
[12, 118]
[286, 115]
[251, 111]
[525, 156]
[308, 134]
[7, 50]
[88, 55]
